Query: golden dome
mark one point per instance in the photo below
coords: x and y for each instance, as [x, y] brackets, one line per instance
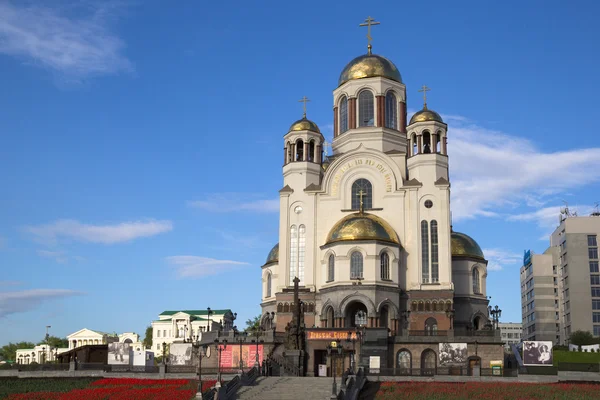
[362, 226]
[465, 246]
[425, 115]
[304, 125]
[273, 255]
[367, 66]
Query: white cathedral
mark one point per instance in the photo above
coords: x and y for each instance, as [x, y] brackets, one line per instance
[367, 229]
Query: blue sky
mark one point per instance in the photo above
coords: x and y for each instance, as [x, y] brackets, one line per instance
[140, 144]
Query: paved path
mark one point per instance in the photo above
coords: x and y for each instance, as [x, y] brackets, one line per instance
[287, 388]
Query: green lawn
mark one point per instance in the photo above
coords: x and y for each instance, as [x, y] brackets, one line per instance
[9, 386]
[575, 357]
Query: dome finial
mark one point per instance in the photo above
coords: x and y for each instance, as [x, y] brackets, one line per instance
[424, 89]
[304, 100]
[368, 23]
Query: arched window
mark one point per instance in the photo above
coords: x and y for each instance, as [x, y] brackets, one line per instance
[414, 306]
[343, 114]
[404, 359]
[476, 287]
[300, 150]
[330, 316]
[301, 252]
[356, 265]
[427, 306]
[438, 144]
[425, 252]
[311, 151]
[331, 268]
[431, 327]
[366, 109]
[293, 253]
[434, 306]
[391, 113]
[434, 252]
[279, 307]
[385, 266]
[415, 149]
[426, 143]
[421, 306]
[364, 186]
[268, 285]
[289, 153]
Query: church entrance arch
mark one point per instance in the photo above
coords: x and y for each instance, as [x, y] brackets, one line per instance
[356, 315]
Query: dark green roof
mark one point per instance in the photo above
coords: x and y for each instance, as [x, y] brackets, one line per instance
[195, 312]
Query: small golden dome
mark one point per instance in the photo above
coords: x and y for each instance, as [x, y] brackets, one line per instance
[367, 66]
[273, 255]
[362, 226]
[465, 246]
[425, 115]
[304, 125]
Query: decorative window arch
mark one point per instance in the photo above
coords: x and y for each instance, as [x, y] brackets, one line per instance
[385, 266]
[391, 111]
[331, 268]
[356, 265]
[286, 307]
[268, 285]
[343, 114]
[434, 305]
[299, 150]
[365, 186]
[426, 142]
[290, 157]
[414, 306]
[404, 359]
[425, 251]
[435, 276]
[476, 281]
[415, 148]
[311, 151]
[329, 314]
[431, 327]
[448, 305]
[421, 306]
[366, 109]
[438, 144]
[427, 306]
[360, 318]
[279, 307]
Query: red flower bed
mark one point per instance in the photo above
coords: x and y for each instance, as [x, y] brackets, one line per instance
[481, 390]
[125, 389]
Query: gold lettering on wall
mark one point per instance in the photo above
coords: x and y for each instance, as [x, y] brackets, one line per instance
[337, 178]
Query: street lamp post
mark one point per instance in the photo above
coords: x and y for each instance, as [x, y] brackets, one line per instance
[201, 349]
[56, 355]
[209, 312]
[32, 357]
[495, 312]
[352, 358]
[219, 350]
[256, 333]
[164, 351]
[241, 339]
[332, 349]
[43, 360]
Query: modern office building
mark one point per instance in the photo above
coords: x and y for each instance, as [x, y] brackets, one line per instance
[510, 332]
[540, 296]
[576, 238]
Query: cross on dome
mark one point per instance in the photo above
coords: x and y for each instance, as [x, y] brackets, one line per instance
[368, 23]
[424, 89]
[304, 100]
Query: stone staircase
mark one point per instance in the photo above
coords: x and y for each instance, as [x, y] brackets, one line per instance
[287, 388]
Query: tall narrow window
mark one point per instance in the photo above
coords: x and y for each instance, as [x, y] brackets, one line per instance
[366, 109]
[293, 253]
[356, 265]
[331, 268]
[364, 186]
[425, 252]
[268, 285]
[311, 151]
[385, 267]
[300, 150]
[434, 253]
[343, 114]
[301, 251]
[476, 287]
[391, 113]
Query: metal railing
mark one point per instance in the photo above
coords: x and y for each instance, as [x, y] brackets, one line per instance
[427, 333]
[473, 332]
[40, 367]
[285, 364]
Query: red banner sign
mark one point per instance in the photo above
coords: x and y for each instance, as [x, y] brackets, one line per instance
[230, 356]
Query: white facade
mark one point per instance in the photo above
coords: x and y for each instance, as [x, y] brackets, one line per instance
[510, 333]
[85, 337]
[39, 354]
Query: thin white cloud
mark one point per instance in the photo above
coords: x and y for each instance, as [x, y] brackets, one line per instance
[27, 300]
[61, 257]
[106, 234]
[547, 217]
[493, 172]
[499, 258]
[235, 202]
[77, 43]
[194, 266]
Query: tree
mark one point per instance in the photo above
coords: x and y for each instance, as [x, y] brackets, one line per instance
[253, 324]
[54, 342]
[581, 338]
[148, 338]
[9, 352]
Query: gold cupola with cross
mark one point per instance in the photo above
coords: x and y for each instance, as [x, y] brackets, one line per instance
[369, 103]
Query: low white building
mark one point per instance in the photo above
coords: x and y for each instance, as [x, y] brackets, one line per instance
[40, 354]
[176, 326]
[84, 337]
